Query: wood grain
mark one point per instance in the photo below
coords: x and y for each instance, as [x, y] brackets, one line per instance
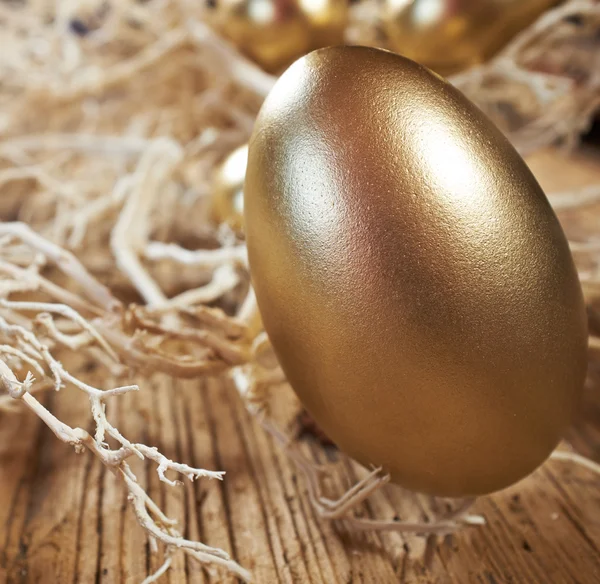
[63, 519]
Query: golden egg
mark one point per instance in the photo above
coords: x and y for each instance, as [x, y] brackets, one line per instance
[450, 35]
[227, 201]
[414, 281]
[327, 21]
[276, 32]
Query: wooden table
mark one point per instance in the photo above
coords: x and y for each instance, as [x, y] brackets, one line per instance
[63, 519]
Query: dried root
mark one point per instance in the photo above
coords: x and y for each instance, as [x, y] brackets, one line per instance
[156, 524]
[31, 332]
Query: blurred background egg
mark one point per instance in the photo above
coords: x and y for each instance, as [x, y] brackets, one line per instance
[327, 20]
[227, 197]
[274, 33]
[450, 35]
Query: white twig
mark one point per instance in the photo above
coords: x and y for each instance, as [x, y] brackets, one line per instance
[56, 292]
[160, 572]
[64, 260]
[565, 456]
[164, 465]
[161, 529]
[224, 279]
[130, 234]
[8, 350]
[197, 550]
[65, 311]
[94, 81]
[206, 258]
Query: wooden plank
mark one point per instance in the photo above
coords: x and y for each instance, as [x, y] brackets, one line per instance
[64, 519]
[19, 437]
[546, 529]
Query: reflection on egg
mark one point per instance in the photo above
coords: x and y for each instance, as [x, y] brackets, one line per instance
[449, 35]
[413, 279]
[275, 32]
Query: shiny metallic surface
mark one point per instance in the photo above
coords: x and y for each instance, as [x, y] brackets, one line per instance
[276, 32]
[414, 281]
[227, 196]
[450, 35]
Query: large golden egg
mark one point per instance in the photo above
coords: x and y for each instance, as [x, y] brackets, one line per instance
[276, 32]
[449, 35]
[413, 279]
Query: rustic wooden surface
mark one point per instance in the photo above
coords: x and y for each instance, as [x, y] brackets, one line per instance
[63, 519]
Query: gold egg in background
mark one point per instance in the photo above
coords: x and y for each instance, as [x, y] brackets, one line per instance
[327, 20]
[450, 35]
[227, 200]
[274, 33]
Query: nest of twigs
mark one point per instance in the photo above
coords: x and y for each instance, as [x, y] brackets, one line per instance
[113, 116]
